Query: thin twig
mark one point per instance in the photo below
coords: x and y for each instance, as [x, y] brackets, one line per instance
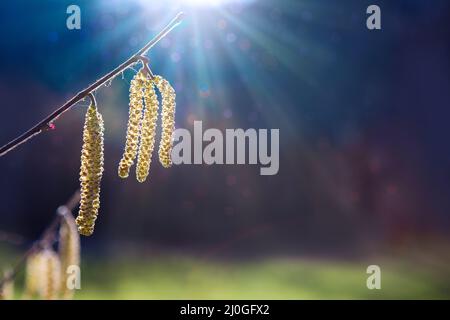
[47, 239]
[12, 238]
[46, 124]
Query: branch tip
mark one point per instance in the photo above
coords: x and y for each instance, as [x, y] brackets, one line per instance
[47, 123]
[92, 98]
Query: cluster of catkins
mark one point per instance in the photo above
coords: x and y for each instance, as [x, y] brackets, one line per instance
[48, 271]
[140, 141]
[140, 138]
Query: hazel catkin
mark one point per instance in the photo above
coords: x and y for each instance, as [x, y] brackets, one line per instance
[50, 281]
[167, 120]
[148, 128]
[91, 171]
[49, 289]
[33, 274]
[69, 251]
[43, 275]
[134, 124]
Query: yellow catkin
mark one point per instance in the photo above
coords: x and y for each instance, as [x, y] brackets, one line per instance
[148, 128]
[69, 251]
[91, 171]
[167, 120]
[7, 290]
[33, 275]
[50, 284]
[134, 124]
[43, 275]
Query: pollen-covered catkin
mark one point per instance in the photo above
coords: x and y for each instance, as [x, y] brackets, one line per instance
[167, 120]
[50, 281]
[148, 129]
[43, 275]
[134, 124]
[33, 274]
[91, 171]
[69, 251]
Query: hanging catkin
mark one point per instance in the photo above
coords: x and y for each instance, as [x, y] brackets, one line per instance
[134, 124]
[43, 275]
[91, 171]
[33, 274]
[148, 128]
[167, 120]
[50, 281]
[69, 251]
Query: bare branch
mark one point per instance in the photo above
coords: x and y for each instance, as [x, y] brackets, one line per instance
[46, 124]
[47, 238]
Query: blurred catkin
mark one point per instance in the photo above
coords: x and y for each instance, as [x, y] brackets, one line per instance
[167, 120]
[148, 129]
[51, 279]
[69, 251]
[91, 171]
[43, 275]
[7, 289]
[134, 124]
[33, 274]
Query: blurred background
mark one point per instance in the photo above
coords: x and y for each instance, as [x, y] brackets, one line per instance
[364, 155]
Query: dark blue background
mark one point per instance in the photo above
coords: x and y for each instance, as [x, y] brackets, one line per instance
[363, 118]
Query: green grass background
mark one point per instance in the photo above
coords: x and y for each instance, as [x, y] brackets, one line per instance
[281, 278]
[190, 277]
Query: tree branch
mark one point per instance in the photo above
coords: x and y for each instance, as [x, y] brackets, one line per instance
[47, 238]
[46, 124]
